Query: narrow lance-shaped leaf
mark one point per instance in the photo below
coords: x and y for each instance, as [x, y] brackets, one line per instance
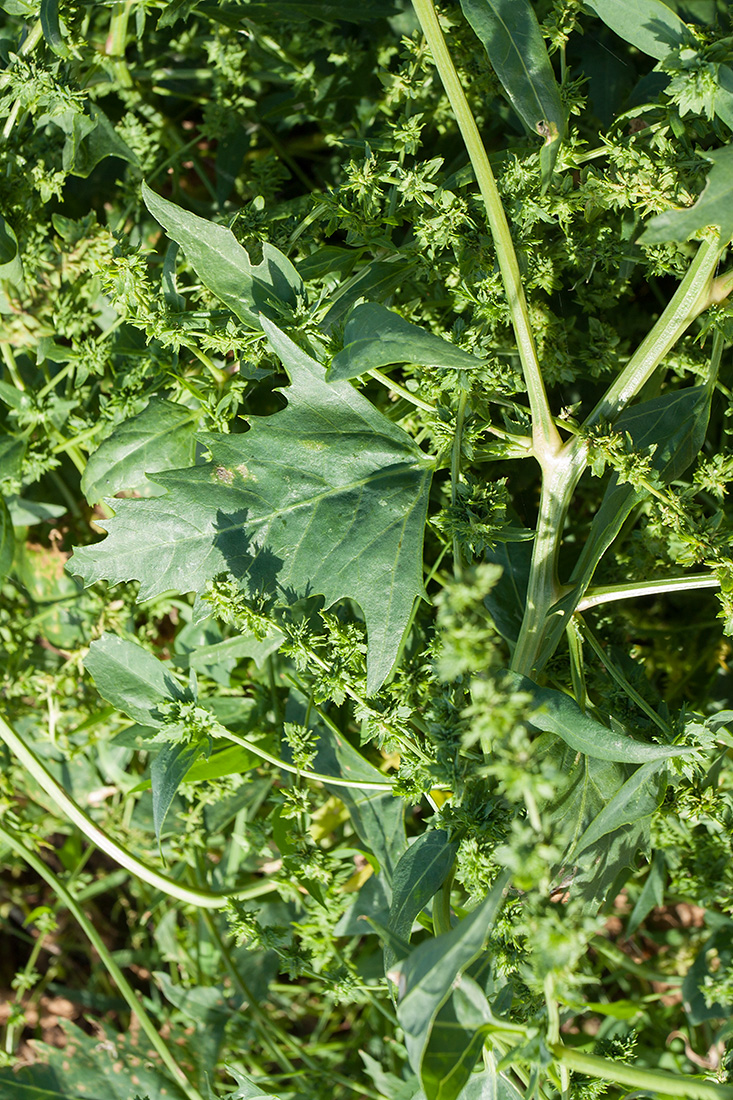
[327, 496]
[510, 34]
[714, 207]
[11, 267]
[130, 678]
[426, 977]
[559, 714]
[51, 27]
[419, 874]
[7, 540]
[378, 818]
[167, 771]
[639, 797]
[652, 894]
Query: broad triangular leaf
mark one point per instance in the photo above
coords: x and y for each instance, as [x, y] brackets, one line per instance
[377, 337]
[602, 817]
[326, 497]
[638, 798]
[224, 266]
[714, 207]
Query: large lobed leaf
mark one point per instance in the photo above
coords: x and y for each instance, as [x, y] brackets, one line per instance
[326, 497]
[104, 1066]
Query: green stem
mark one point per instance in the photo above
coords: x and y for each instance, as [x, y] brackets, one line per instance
[35, 35]
[69, 901]
[560, 476]
[545, 435]
[385, 380]
[319, 777]
[220, 376]
[27, 971]
[117, 41]
[203, 899]
[637, 1077]
[612, 592]
[12, 366]
[695, 293]
[455, 475]
[577, 668]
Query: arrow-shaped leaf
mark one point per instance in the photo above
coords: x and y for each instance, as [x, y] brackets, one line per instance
[377, 337]
[224, 266]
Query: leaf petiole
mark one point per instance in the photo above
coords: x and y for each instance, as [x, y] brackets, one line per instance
[610, 593]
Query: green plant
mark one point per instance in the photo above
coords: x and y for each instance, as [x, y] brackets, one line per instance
[391, 713]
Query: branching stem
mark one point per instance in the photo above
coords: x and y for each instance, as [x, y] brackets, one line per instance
[69, 901]
[202, 899]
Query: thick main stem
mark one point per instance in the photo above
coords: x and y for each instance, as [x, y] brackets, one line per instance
[638, 1077]
[545, 434]
[560, 476]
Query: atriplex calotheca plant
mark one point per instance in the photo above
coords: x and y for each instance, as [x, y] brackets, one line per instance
[389, 348]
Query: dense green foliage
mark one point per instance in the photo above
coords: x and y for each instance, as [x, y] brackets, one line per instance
[365, 548]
